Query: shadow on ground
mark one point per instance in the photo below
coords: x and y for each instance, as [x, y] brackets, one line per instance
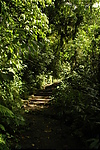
[43, 129]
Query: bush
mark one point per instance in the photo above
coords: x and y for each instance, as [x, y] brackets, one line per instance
[77, 100]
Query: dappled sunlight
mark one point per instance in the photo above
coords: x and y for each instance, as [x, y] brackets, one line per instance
[44, 130]
[41, 99]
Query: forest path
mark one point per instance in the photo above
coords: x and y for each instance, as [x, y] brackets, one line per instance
[44, 130]
[41, 99]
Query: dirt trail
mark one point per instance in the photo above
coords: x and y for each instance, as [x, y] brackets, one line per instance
[44, 130]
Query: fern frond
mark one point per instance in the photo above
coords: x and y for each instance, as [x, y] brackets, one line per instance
[2, 127]
[6, 112]
[2, 141]
[3, 145]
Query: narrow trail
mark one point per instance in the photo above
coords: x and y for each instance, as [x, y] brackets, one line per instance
[41, 99]
[44, 130]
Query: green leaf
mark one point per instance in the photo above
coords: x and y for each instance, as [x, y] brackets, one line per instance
[6, 112]
[2, 141]
[2, 127]
[3, 144]
[95, 144]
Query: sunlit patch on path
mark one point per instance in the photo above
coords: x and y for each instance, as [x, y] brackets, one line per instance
[41, 99]
[43, 130]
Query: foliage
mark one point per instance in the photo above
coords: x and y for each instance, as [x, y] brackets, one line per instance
[77, 101]
[77, 98]
[23, 28]
[3, 145]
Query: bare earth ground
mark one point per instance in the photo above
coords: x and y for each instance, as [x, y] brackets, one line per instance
[44, 130]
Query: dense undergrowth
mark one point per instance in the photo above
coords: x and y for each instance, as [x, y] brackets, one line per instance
[78, 103]
[10, 117]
